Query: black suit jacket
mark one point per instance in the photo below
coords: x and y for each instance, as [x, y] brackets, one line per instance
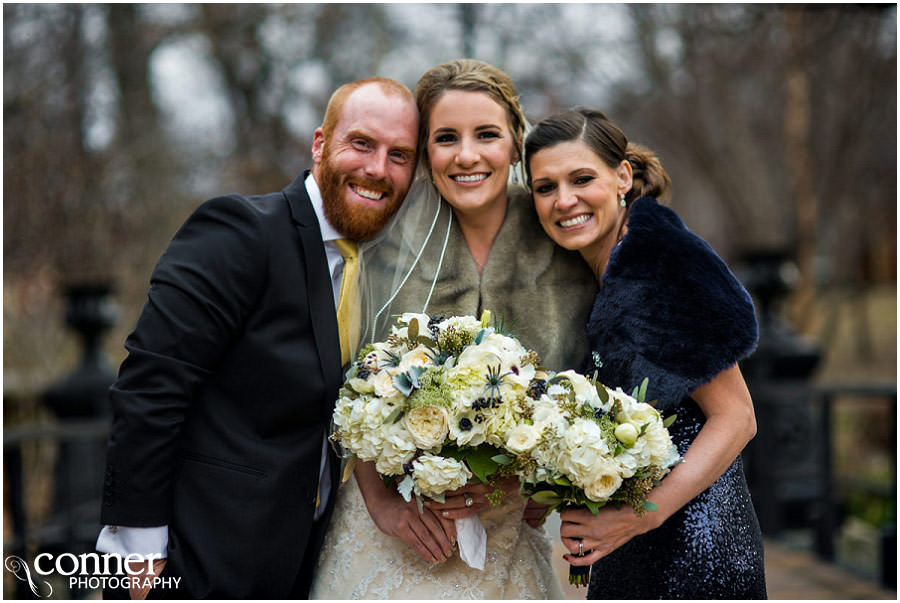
[221, 404]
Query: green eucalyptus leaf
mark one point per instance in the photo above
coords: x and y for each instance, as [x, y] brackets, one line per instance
[546, 497]
[427, 342]
[349, 466]
[501, 459]
[557, 379]
[642, 394]
[394, 416]
[562, 480]
[480, 462]
[602, 393]
[412, 329]
[593, 505]
[651, 506]
[480, 336]
[669, 420]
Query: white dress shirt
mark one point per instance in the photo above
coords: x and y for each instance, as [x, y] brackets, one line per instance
[146, 541]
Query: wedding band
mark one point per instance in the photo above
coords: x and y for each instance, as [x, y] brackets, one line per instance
[469, 499]
[581, 548]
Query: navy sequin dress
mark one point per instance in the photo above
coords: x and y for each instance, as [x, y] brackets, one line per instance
[670, 309]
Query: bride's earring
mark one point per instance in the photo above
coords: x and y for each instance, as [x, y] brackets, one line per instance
[622, 199]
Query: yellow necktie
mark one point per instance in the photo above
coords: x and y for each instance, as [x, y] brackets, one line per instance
[348, 311]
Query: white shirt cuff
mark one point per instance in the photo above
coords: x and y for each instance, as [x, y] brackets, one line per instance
[126, 540]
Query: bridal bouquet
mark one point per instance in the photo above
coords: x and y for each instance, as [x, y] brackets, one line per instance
[588, 445]
[433, 406]
[445, 400]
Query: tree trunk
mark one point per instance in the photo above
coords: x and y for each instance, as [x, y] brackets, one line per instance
[797, 129]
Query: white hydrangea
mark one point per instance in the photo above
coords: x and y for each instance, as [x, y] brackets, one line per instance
[397, 450]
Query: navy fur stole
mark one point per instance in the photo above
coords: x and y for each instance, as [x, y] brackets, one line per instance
[668, 309]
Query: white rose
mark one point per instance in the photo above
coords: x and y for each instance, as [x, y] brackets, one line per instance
[522, 438]
[428, 426]
[418, 356]
[604, 481]
[383, 384]
[434, 475]
[637, 413]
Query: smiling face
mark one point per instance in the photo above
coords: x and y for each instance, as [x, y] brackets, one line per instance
[576, 196]
[470, 149]
[365, 168]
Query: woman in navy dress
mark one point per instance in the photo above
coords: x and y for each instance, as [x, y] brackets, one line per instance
[668, 309]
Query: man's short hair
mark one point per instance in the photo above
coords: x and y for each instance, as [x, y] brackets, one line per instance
[340, 96]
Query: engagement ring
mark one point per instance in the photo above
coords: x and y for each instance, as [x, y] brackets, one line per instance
[581, 548]
[469, 499]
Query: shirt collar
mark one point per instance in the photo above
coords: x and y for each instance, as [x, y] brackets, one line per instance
[315, 196]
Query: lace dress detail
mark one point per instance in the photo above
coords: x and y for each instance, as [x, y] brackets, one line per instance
[359, 561]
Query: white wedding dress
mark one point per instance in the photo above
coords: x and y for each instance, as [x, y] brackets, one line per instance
[359, 561]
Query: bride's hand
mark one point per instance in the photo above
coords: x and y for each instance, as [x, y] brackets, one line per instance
[429, 534]
[602, 533]
[456, 503]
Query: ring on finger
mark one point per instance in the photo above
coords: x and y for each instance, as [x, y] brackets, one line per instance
[469, 500]
[581, 548]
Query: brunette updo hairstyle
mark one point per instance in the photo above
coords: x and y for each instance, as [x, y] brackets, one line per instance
[474, 76]
[608, 141]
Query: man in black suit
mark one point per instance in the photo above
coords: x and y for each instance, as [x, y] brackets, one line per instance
[217, 457]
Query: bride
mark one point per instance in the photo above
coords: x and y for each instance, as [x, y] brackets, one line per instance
[466, 240]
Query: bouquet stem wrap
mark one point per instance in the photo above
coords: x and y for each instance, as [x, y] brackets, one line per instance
[472, 539]
[579, 575]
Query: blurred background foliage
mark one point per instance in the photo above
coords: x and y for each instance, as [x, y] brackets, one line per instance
[777, 123]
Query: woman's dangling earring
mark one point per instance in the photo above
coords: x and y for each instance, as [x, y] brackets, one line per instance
[622, 199]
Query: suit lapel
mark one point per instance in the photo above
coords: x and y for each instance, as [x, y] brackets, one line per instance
[318, 282]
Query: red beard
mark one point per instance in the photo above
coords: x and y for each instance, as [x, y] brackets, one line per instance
[354, 221]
